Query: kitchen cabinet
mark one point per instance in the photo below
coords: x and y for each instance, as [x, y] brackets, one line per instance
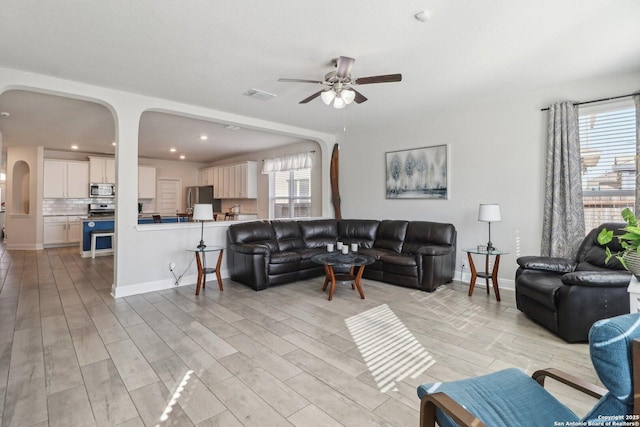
[102, 170]
[60, 230]
[146, 182]
[206, 176]
[65, 179]
[237, 181]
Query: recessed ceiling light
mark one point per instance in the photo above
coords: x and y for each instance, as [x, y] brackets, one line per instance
[173, 150]
[4, 114]
[113, 143]
[204, 137]
[74, 147]
[182, 156]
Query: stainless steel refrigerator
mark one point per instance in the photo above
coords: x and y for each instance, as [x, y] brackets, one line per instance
[201, 195]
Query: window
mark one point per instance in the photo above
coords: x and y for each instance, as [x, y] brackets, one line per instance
[291, 193]
[608, 155]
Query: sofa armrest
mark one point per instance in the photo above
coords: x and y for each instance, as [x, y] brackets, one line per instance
[251, 248]
[616, 279]
[557, 265]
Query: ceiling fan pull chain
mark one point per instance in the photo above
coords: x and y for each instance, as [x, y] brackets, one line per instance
[344, 120]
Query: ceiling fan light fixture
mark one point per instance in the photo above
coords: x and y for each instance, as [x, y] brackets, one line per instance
[348, 96]
[339, 102]
[327, 96]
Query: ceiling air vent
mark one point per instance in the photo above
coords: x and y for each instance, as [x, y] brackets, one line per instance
[259, 94]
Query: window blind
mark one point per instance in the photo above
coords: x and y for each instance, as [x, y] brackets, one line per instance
[291, 194]
[609, 159]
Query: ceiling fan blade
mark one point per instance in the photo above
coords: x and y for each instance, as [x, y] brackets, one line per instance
[388, 78]
[343, 66]
[312, 97]
[360, 98]
[300, 81]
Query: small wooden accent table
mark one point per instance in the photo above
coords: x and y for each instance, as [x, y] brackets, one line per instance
[202, 265]
[338, 259]
[486, 275]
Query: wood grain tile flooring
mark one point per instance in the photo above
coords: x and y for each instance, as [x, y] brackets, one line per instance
[71, 355]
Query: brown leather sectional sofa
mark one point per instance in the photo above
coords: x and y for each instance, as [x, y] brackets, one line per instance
[416, 254]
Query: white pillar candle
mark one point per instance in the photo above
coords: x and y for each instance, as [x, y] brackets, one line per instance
[339, 246]
[345, 249]
[329, 247]
[354, 247]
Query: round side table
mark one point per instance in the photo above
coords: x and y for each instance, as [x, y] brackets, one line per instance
[486, 275]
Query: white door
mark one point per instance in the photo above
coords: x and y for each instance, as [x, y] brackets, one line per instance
[169, 196]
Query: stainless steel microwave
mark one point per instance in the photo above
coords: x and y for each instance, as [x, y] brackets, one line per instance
[102, 190]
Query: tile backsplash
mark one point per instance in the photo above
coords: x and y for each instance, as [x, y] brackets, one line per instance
[69, 206]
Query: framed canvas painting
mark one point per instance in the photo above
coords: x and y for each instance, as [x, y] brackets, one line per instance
[420, 173]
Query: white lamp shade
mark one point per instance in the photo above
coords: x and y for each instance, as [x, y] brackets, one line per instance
[339, 102]
[348, 95]
[202, 212]
[489, 213]
[327, 96]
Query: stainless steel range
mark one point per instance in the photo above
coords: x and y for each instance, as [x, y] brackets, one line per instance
[97, 210]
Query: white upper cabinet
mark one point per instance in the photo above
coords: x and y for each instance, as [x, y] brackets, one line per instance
[238, 181]
[102, 170]
[146, 182]
[66, 179]
[77, 180]
[206, 176]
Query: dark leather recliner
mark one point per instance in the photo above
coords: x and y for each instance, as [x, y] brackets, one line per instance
[568, 295]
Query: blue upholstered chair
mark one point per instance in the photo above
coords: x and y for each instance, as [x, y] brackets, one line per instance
[512, 398]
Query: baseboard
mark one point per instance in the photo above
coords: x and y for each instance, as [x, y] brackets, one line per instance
[159, 285]
[465, 277]
[99, 252]
[24, 246]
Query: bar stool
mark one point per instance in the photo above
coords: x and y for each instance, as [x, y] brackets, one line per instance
[95, 235]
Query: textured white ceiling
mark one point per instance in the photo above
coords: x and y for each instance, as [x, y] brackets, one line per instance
[208, 53]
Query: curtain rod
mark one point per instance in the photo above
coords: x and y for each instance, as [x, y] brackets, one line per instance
[599, 100]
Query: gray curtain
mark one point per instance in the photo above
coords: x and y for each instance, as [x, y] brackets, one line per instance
[636, 101]
[563, 222]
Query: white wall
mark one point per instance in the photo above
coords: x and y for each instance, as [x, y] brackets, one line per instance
[496, 155]
[141, 255]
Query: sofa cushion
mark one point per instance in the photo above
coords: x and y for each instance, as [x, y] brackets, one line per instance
[425, 232]
[360, 231]
[318, 233]
[288, 235]
[257, 232]
[398, 259]
[591, 255]
[377, 253]
[284, 257]
[390, 235]
[308, 253]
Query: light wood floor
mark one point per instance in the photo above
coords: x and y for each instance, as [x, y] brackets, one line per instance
[71, 355]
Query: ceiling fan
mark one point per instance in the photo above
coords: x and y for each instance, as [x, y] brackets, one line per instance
[339, 84]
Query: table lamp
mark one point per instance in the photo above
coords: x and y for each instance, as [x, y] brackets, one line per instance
[202, 213]
[489, 213]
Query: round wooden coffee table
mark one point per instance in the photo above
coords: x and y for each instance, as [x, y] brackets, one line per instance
[336, 259]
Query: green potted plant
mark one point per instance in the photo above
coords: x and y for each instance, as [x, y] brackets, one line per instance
[629, 257]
